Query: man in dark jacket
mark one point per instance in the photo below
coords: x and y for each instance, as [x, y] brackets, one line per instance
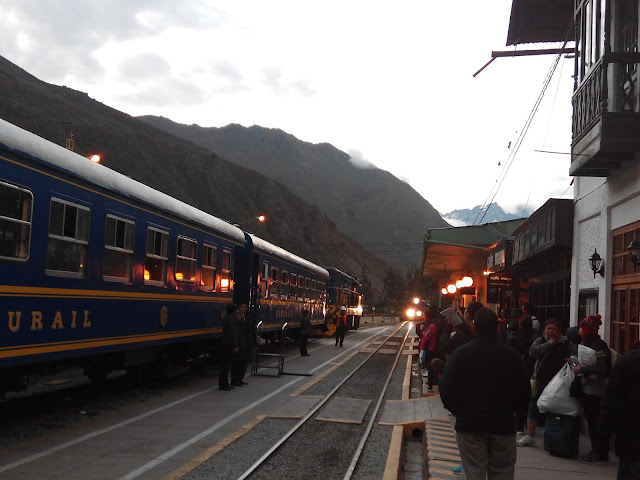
[229, 345]
[621, 412]
[485, 385]
[305, 332]
[245, 344]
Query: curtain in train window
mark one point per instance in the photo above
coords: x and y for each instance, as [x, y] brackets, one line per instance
[155, 262]
[209, 261]
[15, 222]
[68, 239]
[119, 239]
[186, 260]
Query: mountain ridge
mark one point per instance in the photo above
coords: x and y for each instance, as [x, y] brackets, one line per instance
[358, 200]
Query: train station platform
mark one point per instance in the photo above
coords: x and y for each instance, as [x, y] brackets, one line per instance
[441, 454]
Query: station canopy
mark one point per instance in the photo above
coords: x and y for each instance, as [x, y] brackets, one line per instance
[540, 21]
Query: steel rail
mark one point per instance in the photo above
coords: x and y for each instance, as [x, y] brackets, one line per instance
[304, 419]
[365, 436]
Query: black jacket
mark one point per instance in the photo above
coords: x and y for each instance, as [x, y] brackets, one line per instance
[462, 337]
[621, 405]
[230, 331]
[484, 385]
[550, 357]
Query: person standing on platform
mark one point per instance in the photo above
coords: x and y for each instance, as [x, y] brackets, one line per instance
[245, 341]
[485, 385]
[341, 325]
[229, 345]
[594, 383]
[305, 332]
[550, 352]
[621, 412]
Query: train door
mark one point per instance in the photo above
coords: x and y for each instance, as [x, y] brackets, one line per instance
[253, 299]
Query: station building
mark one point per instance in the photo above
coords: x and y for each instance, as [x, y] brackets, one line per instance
[605, 153]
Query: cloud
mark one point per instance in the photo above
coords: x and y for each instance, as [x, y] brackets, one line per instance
[81, 28]
[455, 222]
[274, 78]
[165, 93]
[146, 65]
[357, 160]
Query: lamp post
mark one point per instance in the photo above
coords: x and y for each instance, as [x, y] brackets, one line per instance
[259, 218]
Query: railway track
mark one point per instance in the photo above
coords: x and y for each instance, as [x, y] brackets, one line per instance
[338, 436]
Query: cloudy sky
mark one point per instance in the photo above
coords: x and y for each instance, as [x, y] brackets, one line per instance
[390, 83]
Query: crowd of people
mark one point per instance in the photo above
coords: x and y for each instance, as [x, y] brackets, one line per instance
[492, 371]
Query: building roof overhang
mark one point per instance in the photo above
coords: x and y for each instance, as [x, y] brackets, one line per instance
[540, 21]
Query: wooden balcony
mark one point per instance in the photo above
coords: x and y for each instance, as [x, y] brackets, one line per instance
[606, 121]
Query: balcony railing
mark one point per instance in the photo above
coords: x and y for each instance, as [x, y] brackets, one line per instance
[610, 86]
[588, 100]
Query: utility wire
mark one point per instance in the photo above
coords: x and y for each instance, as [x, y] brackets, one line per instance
[520, 139]
[522, 135]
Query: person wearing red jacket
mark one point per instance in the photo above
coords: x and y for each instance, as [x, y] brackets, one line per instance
[341, 324]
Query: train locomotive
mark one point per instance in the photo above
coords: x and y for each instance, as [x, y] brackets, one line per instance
[100, 271]
[343, 290]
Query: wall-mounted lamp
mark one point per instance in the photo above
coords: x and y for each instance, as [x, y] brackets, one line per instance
[597, 264]
[634, 252]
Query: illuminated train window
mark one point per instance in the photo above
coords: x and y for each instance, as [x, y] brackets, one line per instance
[225, 277]
[264, 280]
[294, 286]
[209, 262]
[119, 238]
[16, 208]
[273, 288]
[155, 262]
[68, 239]
[284, 290]
[186, 260]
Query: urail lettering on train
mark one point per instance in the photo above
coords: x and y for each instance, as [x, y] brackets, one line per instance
[37, 322]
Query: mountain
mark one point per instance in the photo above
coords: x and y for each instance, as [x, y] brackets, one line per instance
[181, 169]
[384, 214]
[471, 216]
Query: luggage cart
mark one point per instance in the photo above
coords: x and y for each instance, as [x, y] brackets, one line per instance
[259, 356]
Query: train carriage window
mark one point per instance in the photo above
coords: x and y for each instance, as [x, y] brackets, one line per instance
[307, 288]
[225, 277]
[284, 290]
[209, 261]
[119, 238]
[264, 280]
[186, 259]
[273, 288]
[155, 262]
[68, 239]
[293, 292]
[16, 209]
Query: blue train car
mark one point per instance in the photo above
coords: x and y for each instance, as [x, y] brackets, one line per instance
[102, 270]
[281, 286]
[343, 290]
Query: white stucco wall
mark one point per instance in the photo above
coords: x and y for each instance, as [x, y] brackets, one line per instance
[601, 205]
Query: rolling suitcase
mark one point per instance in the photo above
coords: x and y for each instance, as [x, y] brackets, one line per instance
[562, 435]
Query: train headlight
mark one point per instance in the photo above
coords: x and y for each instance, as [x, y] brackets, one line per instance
[419, 313]
[360, 310]
[411, 312]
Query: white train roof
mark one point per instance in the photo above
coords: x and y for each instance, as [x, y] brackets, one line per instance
[285, 255]
[18, 139]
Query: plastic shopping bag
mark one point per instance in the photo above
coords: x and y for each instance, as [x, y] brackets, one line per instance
[556, 397]
[586, 356]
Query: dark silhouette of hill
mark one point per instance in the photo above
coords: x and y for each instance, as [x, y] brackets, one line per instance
[181, 169]
[384, 214]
